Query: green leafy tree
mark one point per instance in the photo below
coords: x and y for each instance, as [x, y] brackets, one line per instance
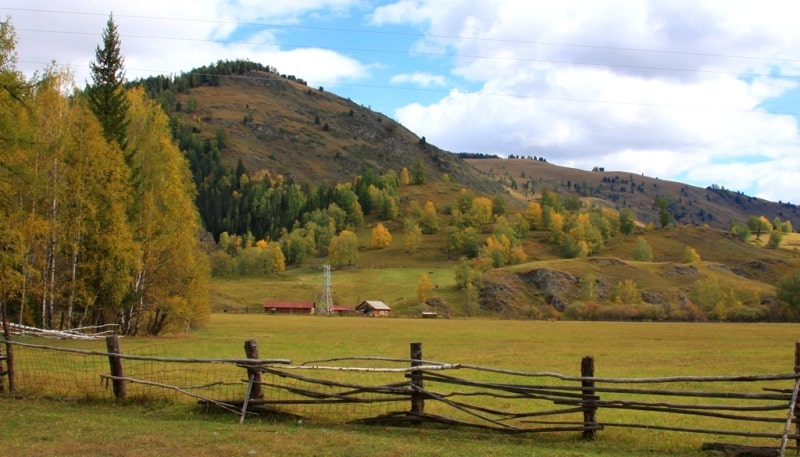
[788, 292]
[741, 230]
[418, 173]
[664, 216]
[775, 238]
[627, 223]
[412, 235]
[498, 205]
[759, 225]
[690, 255]
[643, 251]
[106, 94]
[343, 250]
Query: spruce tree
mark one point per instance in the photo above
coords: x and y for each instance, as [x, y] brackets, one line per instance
[106, 93]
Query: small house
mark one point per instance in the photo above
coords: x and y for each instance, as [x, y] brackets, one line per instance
[374, 308]
[289, 307]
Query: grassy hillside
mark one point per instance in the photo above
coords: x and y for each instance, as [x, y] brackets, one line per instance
[746, 271]
[622, 189]
[280, 126]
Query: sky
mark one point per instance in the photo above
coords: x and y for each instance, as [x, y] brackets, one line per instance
[705, 92]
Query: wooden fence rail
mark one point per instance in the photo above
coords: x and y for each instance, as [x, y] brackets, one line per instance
[377, 390]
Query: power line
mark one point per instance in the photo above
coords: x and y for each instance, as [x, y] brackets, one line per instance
[490, 94]
[448, 55]
[648, 68]
[420, 35]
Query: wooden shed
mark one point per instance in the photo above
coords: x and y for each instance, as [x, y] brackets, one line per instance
[374, 308]
[289, 307]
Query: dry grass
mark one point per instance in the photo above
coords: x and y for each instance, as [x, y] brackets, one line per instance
[620, 350]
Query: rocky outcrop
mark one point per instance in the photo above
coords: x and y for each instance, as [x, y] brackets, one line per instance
[554, 285]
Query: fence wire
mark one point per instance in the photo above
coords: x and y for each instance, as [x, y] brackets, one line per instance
[379, 390]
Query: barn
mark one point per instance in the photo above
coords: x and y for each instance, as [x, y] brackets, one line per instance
[289, 307]
[374, 308]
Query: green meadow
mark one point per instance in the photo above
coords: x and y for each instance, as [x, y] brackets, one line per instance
[48, 426]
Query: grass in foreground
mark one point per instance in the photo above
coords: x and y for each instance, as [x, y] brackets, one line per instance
[50, 427]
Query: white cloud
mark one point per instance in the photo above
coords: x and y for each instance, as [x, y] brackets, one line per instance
[673, 89]
[182, 35]
[419, 79]
[664, 88]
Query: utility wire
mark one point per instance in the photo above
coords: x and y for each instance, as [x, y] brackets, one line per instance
[417, 35]
[443, 54]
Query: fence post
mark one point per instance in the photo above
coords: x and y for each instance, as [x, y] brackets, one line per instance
[251, 350]
[796, 408]
[115, 363]
[589, 401]
[417, 397]
[10, 372]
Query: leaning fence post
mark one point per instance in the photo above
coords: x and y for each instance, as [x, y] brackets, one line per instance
[251, 350]
[115, 363]
[417, 397]
[589, 401]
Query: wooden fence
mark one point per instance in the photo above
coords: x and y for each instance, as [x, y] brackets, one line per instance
[378, 390]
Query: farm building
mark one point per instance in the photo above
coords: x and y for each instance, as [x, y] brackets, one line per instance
[374, 308]
[343, 310]
[289, 307]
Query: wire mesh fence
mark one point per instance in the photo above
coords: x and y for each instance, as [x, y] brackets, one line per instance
[384, 390]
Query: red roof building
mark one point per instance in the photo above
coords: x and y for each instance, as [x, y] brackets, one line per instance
[289, 307]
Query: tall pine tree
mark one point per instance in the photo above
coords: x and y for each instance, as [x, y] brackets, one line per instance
[106, 93]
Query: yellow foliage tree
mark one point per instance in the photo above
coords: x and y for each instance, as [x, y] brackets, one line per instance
[556, 227]
[424, 288]
[534, 215]
[343, 250]
[626, 292]
[381, 238]
[429, 222]
[481, 211]
[405, 179]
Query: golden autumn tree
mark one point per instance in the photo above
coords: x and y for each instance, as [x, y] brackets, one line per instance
[424, 288]
[405, 179]
[171, 283]
[69, 255]
[381, 237]
[343, 249]
[429, 221]
[534, 215]
[480, 213]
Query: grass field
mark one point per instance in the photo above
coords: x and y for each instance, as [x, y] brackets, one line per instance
[53, 427]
